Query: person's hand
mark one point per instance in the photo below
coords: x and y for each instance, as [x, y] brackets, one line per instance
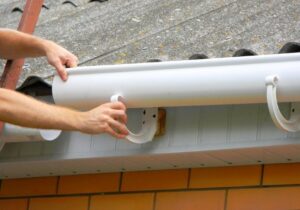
[60, 58]
[108, 118]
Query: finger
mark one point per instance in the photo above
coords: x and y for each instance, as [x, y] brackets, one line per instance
[71, 63]
[118, 126]
[61, 70]
[76, 60]
[117, 105]
[123, 119]
[115, 134]
[119, 114]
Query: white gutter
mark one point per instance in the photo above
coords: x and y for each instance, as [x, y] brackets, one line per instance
[13, 133]
[237, 80]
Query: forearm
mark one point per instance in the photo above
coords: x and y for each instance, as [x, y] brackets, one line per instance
[18, 109]
[25, 111]
[14, 44]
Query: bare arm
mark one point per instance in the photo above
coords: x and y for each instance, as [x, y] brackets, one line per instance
[22, 110]
[14, 44]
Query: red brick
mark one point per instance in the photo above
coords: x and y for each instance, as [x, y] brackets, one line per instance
[92, 183]
[278, 174]
[155, 180]
[13, 204]
[264, 199]
[141, 201]
[225, 176]
[193, 200]
[29, 186]
[59, 203]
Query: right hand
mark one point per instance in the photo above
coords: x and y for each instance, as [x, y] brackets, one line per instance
[107, 118]
[60, 58]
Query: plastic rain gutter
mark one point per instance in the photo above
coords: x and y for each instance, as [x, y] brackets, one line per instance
[238, 80]
[13, 133]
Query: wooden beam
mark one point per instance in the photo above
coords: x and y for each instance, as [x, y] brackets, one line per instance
[161, 125]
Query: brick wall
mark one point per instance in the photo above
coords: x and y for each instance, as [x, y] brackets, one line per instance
[224, 188]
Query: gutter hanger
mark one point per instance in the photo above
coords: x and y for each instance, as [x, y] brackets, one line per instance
[149, 125]
[236, 80]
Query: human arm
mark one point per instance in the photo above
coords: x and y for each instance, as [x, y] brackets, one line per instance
[15, 44]
[22, 110]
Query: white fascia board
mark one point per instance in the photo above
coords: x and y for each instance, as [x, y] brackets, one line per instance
[204, 136]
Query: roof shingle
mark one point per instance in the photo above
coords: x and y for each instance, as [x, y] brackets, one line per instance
[130, 31]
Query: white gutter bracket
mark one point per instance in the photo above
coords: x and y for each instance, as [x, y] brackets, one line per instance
[149, 124]
[291, 125]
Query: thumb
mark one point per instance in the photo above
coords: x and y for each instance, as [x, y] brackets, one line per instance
[61, 70]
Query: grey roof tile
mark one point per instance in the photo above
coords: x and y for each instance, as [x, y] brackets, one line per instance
[290, 47]
[243, 52]
[130, 31]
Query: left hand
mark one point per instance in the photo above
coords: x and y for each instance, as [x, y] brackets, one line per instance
[60, 58]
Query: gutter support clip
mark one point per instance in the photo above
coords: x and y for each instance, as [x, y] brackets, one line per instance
[279, 120]
[149, 126]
